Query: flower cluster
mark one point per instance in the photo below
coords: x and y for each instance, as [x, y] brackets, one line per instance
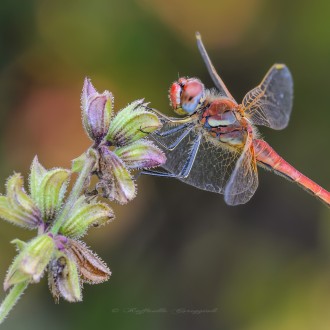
[119, 146]
[120, 143]
[65, 256]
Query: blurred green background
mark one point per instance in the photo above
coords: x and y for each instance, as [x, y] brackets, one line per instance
[175, 250]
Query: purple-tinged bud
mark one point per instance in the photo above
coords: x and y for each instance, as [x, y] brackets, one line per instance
[141, 154]
[96, 111]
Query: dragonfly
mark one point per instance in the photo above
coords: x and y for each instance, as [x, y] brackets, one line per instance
[216, 145]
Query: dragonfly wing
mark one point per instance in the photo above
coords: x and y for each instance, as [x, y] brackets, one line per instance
[212, 166]
[213, 73]
[270, 103]
[243, 182]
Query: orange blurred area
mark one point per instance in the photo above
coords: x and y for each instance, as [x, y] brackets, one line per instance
[175, 250]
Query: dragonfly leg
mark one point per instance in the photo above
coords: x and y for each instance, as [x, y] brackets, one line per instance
[158, 173]
[171, 130]
[174, 144]
[173, 120]
[191, 158]
[186, 167]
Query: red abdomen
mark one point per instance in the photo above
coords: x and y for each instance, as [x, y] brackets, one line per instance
[267, 156]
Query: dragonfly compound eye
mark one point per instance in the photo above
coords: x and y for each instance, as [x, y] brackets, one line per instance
[186, 95]
[175, 95]
[191, 96]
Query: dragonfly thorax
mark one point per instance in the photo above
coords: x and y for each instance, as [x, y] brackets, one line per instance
[219, 118]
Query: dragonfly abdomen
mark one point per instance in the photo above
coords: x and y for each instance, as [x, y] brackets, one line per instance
[267, 156]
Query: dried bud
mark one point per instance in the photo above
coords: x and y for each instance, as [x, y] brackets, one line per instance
[131, 124]
[96, 111]
[17, 207]
[91, 268]
[31, 262]
[141, 154]
[115, 178]
[83, 215]
[63, 278]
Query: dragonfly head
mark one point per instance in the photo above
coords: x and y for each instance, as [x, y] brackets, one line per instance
[186, 95]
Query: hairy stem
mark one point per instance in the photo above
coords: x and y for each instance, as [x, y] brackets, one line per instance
[11, 299]
[75, 192]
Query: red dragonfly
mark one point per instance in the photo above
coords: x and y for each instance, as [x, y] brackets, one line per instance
[216, 146]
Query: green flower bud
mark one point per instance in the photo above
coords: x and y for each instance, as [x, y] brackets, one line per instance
[91, 268]
[115, 178]
[84, 215]
[48, 188]
[51, 191]
[31, 262]
[17, 207]
[131, 124]
[96, 111]
[141, 154]
[64, 279]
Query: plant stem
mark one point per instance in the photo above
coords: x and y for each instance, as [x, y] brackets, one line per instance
[75, 192]
[11, 299]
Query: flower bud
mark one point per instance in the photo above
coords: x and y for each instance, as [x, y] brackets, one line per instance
[31, 262]
[96, 111]
[141, 154]
[131, 124]
[83, 215]
[17, 207]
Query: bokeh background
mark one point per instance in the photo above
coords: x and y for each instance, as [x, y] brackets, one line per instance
[181, 258]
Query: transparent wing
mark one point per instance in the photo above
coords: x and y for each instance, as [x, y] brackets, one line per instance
[213, 73]
[213, 164]
[243, 181]
[270, 103]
